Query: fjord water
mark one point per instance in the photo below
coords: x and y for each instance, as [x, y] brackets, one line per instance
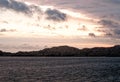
[60, 69]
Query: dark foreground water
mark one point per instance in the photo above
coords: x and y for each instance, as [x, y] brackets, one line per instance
[70, 69]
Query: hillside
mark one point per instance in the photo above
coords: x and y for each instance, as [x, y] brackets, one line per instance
[62, 51]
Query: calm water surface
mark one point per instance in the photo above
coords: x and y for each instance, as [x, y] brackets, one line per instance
[59, 69]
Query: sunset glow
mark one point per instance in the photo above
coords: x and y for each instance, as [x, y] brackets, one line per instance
[40, 24]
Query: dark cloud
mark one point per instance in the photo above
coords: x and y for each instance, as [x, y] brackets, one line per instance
[114, 1]
[111, 28]
[109, 23]
[117, 31]
[101, 30]
[14, 5]
[109, 34]
[35, 8]
[5, 30]
[55, 15]
[52, 14]
[112, 33]
[4, 3]
[92, 35]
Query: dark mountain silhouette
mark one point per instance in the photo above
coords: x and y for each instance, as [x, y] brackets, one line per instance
[62, 51]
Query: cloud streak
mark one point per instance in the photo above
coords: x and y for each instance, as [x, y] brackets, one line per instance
[5, 30]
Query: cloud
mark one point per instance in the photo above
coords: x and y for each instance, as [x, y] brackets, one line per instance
[55, 15]
[15, 5]
[108, 23]
[92, 35]
[101, 30]
[35, 8]
[111, 28]
[114, 34]
[83, 28]
[117, 31]
[49, 27]
[109, 34]
[5, 30]
[114, 1]
[32, 9]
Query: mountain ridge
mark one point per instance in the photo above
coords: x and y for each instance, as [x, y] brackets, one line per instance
[68, 51]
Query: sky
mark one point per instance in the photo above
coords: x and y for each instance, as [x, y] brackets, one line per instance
[27, 25]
